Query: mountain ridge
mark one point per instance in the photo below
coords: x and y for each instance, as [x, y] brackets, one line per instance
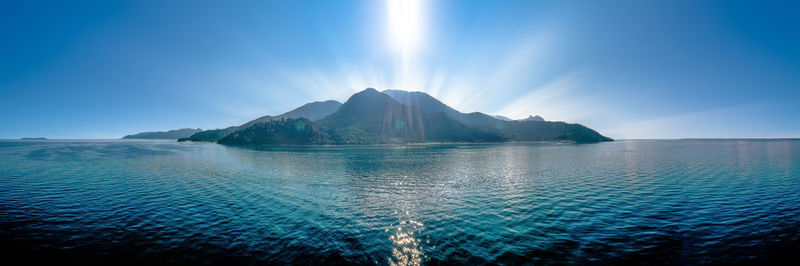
[392, 116]
[312, 111]
[380, 115]
[533, 118]
[170, 134]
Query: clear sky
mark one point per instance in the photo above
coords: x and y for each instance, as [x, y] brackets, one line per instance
[629, 69]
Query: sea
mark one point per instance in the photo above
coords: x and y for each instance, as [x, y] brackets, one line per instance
[146, 202]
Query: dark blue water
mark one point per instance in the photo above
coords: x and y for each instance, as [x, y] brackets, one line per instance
[657, 202]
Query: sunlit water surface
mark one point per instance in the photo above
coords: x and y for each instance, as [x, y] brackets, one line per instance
[676, 201]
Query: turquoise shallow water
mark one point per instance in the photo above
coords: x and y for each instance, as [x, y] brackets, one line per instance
[642, 201]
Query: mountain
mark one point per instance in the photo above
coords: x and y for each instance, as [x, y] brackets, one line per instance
[547, 131]
[283, 131]
[172, 134]
[381, 116]
[211, 135]
[393, 116]
[533, 118]
[312, 111]
[422, 101]
[529, 129]
[428, 103]
[367, 117]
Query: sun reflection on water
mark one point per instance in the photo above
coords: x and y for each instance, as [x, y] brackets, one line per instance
[407, 248]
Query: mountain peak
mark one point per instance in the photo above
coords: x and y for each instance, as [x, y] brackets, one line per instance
[418, 99]
[366, 94]
[405, 93]
[393, 116]
[533, 118]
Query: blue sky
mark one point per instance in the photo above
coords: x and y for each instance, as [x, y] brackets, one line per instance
[630, 69]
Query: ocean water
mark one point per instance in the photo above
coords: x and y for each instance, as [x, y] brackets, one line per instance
[639, 201]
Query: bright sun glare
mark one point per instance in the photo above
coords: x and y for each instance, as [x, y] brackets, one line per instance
[405, 24]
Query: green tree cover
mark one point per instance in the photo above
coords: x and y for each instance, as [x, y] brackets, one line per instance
[372, 117]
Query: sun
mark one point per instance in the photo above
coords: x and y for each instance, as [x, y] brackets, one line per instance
[405, 21]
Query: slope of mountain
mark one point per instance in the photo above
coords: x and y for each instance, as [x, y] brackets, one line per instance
[500, 117]
[394, 116]
[545, 131]
[422, 101]
[533, 128]
[428, 103]
[210, 135]
[312, 111]
[379, 115]
[283, 131]
[172, 134]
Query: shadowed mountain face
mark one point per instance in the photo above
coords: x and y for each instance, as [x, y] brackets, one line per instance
[427, 103]
[172, 134]
[422, 101]
[311, 111]
[380, 115]
[210, 135]
[533, 128]
[283, 131]
[393, 116]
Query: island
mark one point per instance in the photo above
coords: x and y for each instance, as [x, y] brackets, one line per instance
[391, 117]
[171, 134]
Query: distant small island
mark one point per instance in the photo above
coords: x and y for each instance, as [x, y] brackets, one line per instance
[391, 116]
[39, 138]
[172, 134]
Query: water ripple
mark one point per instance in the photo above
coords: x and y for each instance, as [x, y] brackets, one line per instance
[656, 202]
